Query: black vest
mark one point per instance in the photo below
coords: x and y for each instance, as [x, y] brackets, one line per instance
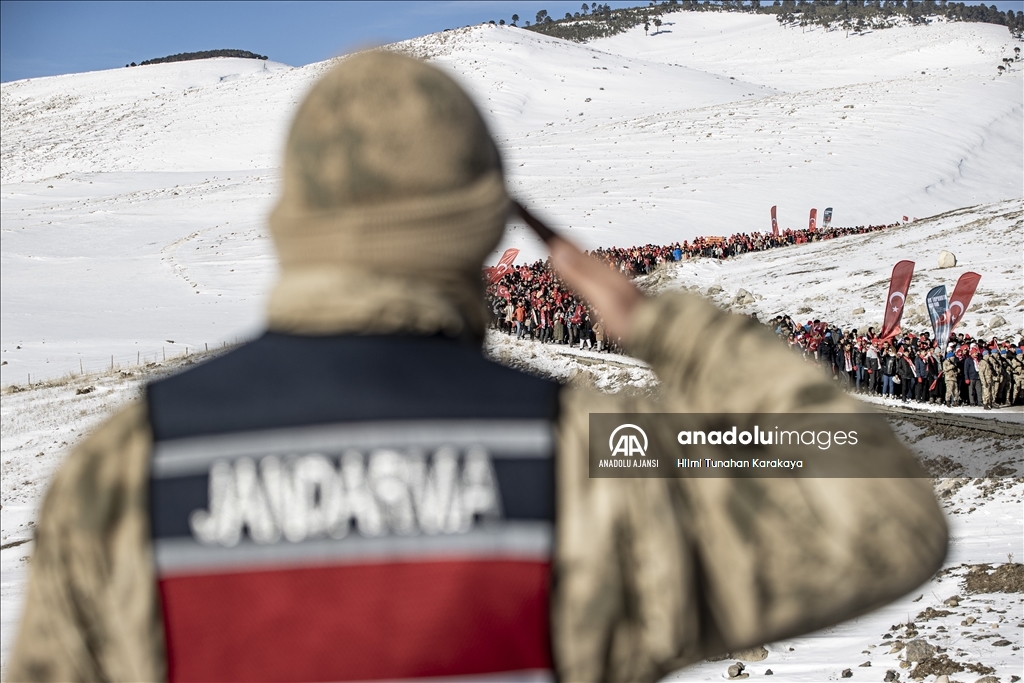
[353, 508]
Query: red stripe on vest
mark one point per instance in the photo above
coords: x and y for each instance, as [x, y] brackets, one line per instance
[358, 622]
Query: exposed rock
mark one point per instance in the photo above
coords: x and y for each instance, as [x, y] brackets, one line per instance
[1006, 578]
[931, 613]
[891, 675]
[714, 289]
[754, 654]
[743, 298]
[996, 321]
[955, 600]
[865, 664]
[987, 679]
[947, 259]
[858, 311]
[769, 672]
[937, 666]
[847, 673]
[736, 672]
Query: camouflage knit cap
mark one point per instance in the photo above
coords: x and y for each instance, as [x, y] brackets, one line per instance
[390, 166]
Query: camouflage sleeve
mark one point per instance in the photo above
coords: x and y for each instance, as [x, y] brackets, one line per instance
[91, 611]
[654, 574]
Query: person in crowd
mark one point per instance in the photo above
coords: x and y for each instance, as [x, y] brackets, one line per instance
[921, 380]
[889, 373]
[988, 371]
[872, 362]
[1004, 379]
[520, 319]
[934, 378]
[905, 372]
[559, 327]
[1017, 376]
[952, 369]
[972, 377]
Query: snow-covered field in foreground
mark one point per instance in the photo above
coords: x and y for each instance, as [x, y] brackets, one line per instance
[133, 203]
[985, 515]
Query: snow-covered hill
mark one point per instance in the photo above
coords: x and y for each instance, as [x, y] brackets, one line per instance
[133, 200]
[832, 279]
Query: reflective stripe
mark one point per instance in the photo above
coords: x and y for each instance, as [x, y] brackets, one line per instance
[531, 541]
[501, 438]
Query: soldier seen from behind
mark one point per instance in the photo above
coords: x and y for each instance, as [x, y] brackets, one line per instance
[359, 494]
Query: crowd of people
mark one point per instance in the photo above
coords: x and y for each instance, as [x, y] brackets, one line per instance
[531, 302]
[912, 366]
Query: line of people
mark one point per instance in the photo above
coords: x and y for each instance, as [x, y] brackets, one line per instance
[531, 302]
[913, 367]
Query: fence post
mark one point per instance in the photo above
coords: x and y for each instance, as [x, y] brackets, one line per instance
[111, 361]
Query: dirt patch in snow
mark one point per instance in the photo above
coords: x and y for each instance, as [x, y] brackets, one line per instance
[1006, 578]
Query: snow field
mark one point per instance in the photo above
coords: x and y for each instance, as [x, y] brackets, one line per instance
[117, 181]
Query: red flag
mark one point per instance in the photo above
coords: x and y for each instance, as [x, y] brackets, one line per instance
[814, 219]
[899, 285]
[504, 265]
[905, 219]
[961, 299]
[503, 292]
[775, 224]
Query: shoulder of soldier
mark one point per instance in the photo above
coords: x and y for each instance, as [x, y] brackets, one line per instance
[79, 623]
[103, 477]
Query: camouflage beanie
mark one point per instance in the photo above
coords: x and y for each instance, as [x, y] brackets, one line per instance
[393, 195]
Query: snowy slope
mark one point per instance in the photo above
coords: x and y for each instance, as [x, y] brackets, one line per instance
[210, 114]
[133, 200]
[832, 279]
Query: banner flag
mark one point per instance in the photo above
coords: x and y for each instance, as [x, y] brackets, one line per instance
[813, 220]
[899, 285]
[504, 265]
[827, 218]
[905, 219]
[961, 299]
[938, 311]
[775, 224]
[503, 292]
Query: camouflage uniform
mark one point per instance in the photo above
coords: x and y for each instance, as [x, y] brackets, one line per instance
[988, 371]
[1017, 375]
[951, 376]
[650, 574]
[1005, 380]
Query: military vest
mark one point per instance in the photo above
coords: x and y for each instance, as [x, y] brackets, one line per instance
[353, 508]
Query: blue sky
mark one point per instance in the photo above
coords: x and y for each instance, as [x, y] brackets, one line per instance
[47, 38]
